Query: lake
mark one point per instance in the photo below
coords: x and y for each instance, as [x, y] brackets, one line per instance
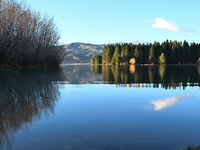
[83, 107]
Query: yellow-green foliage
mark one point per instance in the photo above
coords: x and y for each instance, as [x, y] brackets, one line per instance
[162, 59]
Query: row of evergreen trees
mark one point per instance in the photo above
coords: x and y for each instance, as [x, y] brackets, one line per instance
[172, 53]
[97, 59]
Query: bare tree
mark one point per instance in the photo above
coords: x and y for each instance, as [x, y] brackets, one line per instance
[27, 38]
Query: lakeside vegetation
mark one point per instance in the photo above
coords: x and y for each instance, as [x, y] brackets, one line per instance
[190, 147]
[167, 52]
[27, 38]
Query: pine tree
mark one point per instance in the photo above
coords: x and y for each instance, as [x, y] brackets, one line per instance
[104, 54]
[117, 59]
[163, 49]
[174, 50]
[156, 47]
[109, 55]
[146, 54]
[132, 49]
[198, 47]
[92, 60]
[185, 48]
[180, 53]
[117, 49]
[136, 55]
[195, 53]
[141, 56]
[123, 54]
[151, 55]
[100, 59]
[151, 52]
[113, 60]
[168, 51]
[96, 59]
[126, 54]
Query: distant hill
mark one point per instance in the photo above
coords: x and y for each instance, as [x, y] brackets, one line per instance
[82, 52]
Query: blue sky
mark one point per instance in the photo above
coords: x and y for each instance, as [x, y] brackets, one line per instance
[105, 21]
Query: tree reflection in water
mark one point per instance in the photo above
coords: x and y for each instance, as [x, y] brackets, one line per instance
[167, 76]
[26, 95]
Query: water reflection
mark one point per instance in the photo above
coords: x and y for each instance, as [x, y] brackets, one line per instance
[161, 104]
[84, 123]
[26, 95]
[81, 74]
[165, 76]
[97, 69]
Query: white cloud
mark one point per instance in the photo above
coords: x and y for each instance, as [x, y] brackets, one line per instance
[161, 104]
[170, 26]
[164, 24]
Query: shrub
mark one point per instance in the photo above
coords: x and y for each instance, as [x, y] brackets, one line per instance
[26, 37]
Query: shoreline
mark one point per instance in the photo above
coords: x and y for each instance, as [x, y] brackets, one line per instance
[63, 64]
[20, 67]
[151, 64]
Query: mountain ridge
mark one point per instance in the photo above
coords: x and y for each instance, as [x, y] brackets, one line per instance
[80, 52]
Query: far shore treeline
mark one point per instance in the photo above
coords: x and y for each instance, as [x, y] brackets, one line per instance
[27, 38]
[167, 52]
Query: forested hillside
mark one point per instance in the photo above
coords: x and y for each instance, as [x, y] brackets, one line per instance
[167, 52]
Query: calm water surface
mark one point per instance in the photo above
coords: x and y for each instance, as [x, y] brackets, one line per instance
[100, 108]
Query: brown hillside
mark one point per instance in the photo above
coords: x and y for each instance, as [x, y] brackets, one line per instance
[82, 52]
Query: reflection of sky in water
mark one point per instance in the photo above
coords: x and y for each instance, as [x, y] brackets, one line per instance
[161, 104]
[105, 117]
[94, 115]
